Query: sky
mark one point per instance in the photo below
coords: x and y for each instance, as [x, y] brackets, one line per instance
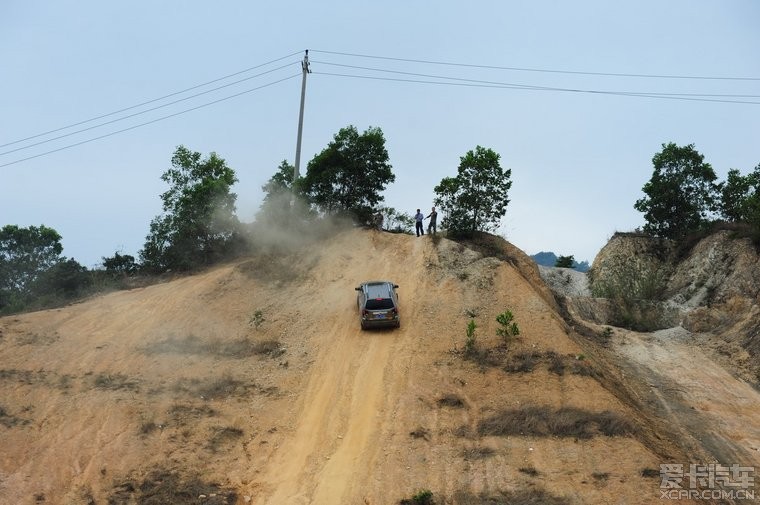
[554, 87]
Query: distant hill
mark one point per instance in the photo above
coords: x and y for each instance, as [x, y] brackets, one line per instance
[549, 259]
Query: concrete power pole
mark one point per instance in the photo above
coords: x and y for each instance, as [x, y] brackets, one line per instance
[305, 68]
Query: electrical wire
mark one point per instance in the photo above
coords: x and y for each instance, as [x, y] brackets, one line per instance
[150, 101]
[150, 122]
[539, 88]
[530, 86]
[541, 70]
[142, 112]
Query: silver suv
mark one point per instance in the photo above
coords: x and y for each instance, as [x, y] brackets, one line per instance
[378, 304]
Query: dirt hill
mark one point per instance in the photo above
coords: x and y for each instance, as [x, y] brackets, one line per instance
[252, 383]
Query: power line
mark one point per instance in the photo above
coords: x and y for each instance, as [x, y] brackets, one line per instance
[142, 112]
[150, 122]
[485, 84]
[541, 70]
[531, 86]
[150, 101]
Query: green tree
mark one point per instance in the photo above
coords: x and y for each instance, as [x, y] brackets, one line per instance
[199, 225]
[740, 197]
[25, 254]
[348, 176]
[65, 279]
[476, 199]
[120, 265]
[565, 261]
[396, 221]
[283, 203]
[681, 195]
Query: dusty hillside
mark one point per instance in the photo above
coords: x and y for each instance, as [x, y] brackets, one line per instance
[252, 383]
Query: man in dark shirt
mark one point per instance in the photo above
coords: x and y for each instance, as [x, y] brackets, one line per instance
[433, 216]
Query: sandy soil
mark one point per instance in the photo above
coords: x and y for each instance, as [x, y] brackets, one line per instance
[98, 395]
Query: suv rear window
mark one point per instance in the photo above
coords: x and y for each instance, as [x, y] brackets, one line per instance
[379, 304]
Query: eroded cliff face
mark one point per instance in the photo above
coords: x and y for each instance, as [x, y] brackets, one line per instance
[711, 289]
[678, 330]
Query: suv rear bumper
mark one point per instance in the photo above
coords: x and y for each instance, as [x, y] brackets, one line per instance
[380, 323]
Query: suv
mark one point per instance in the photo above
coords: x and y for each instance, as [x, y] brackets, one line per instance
[378, 304]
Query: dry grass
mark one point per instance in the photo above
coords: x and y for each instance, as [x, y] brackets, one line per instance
[216, 388]
[567, 422]
[523, 362]
[650, 473]
[530, 496]
[451, 400]
[38, 377]
[222, 435]
[181, 414]
[420, 432]
[161, 487]
[474, 453]
[9, 420]
[115, 382]
[528, 470]
[239, 348]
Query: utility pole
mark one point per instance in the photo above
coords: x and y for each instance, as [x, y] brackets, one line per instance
[305, 68]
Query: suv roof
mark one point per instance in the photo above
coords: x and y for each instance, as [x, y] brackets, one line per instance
[378, 289]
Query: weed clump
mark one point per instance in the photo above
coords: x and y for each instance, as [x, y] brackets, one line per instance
[566, 422]
[163, 486]
[451, 400]
[424, 497]
[115, 382]
[237, 349]
[8, 420]
[530, 496]
[474, 453]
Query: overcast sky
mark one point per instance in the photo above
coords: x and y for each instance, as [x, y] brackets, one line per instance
[578, 158]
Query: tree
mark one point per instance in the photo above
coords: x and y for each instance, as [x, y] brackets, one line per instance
[283, 204]
[65, 279]
[476, 199]
[565, 261]
[25, 253]
[396, 221]
[681, 195]
[199, 225]
[120, 265]
[740, 197]
[348, 176]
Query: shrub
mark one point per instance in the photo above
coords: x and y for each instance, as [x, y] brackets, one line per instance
[507, 329]
[423, 497]
[470, 344]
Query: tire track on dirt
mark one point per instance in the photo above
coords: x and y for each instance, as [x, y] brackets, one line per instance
[324, 461]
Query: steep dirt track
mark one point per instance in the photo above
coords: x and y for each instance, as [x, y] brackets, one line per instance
[99, 394]
[338, 418]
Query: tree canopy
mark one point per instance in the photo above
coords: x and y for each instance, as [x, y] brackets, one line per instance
[681, 195]
[349, 174]
[199, 225]
[565, 261]
[476, 199]
[25, 253]
[740, 197]
[32, 271]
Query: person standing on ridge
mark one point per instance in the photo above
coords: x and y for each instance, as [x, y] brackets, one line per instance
[418, 217]
[433, 216]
